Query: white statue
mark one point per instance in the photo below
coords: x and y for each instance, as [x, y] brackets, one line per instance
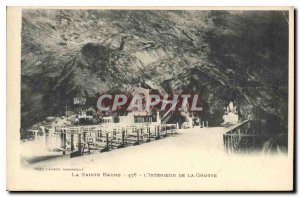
[230, 115]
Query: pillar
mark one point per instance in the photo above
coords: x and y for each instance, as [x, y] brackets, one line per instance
[72, 141]
[123, 138]
[157, 117]
[224, 142]
[84, 136]
[142, 133]
[61, 139]
[79, 142]
[107, 145]
[149, 134]
[126, 136]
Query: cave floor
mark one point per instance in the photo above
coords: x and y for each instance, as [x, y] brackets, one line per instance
[191, 152]
[200, 142]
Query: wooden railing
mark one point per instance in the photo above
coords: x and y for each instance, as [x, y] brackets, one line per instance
[247, 136]
[84, 139]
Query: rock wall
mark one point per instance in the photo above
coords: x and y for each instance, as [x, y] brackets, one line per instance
[240, 56]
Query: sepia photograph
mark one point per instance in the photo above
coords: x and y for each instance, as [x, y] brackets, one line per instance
[150, 98]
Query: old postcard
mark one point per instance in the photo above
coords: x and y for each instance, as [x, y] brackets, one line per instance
[150, 98]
